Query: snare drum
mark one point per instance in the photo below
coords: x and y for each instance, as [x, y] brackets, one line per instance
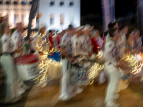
[27, 66]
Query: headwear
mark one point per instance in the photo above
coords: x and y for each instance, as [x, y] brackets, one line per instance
[94, 32]
[41, 26]
[70, 27]
[79, 28]
[87, 27]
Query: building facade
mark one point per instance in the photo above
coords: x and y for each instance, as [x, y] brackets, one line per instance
[58, 14]
[17, 11]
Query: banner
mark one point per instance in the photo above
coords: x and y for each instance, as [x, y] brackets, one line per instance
[108, 12]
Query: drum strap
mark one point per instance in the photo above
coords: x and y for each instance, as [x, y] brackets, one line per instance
[108, 63]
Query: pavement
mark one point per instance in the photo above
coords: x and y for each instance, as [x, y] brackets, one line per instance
[92, 96]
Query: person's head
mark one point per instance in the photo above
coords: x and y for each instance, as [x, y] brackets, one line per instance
[129, 36]
[42, 28]
[87, 29]
[124, 29]
[136, 33]
[79, 31]
[19, 27]
[95, 34]
[7, 29]
[71, 30]
[113, 25]
[113, 33]
[63, 32]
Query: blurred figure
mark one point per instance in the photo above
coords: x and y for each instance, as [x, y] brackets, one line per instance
[138, 41]
[38, 39]
[112, 25]
[134, 41]
[4, 22]
[76, 48]
[18, 40]
[111, 68]
[50, 38]
[130, 41]
[86, 46]
[96, 35]
[76, 40]
[7, 61]
[122, 41]
[95, 45]
[122, 49]
[17, 36]
[66, 53]
[40, 49]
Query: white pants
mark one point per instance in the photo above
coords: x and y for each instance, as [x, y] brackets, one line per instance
[102, 77]
[65, 87]
[114, 75]
[12, 83]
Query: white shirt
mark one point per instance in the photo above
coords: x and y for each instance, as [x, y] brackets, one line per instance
[17, 40]
[65, 40]
[100, 41]
[110, 52]
[37, 41]
[75, 47]
[7, 44]
[67, 44]
[122, 43]
[84, 45]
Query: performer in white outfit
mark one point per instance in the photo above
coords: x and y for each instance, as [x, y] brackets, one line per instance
[113, 73]
[66, 52]
[122, 49]
[39, 38]
[39, 45]
[12, 80]
[85, 43]
[76, 48]
[82, 52]
[18, 40]
[138, 42]
[122, 41]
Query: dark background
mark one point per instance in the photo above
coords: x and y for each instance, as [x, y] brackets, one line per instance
[91, 12]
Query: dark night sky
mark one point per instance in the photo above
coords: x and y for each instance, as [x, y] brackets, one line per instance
[122, 7]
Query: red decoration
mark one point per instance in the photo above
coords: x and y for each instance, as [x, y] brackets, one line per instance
[52, 54]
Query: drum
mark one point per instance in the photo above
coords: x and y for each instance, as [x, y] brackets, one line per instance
[130, 66]
[54, 69]
[78, 75]
[55, 66]
[27, 67]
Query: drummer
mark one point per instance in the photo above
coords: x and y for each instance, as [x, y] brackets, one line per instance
[96, 41]
[111, 67]
[122, 41]
[137, 40]
[76, 40]
[12, 82]
[76, 48]
[37, 40]
[35, 44]
[66, 52]
[18, 40]
[85, 46]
